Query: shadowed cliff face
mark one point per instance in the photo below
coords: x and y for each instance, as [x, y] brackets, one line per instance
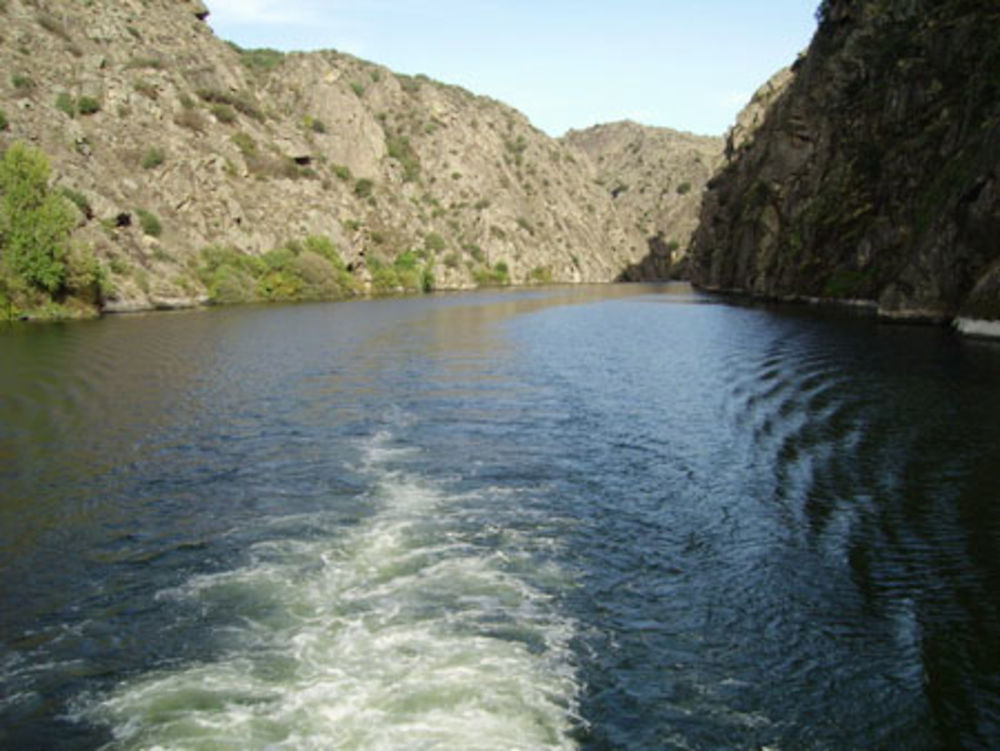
[873, 175]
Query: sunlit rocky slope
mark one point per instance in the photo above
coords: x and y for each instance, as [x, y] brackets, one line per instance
[190, 161]
[873, 175]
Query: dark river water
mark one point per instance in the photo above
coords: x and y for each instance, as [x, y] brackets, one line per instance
[624, 517]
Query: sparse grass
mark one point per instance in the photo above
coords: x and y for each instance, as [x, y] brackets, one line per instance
[149, 222]
[146, 88]
[241, 102]
[223, 113]
[192, 120]
[434, 242]
[342, 172]
[263, 60]
[79, 200]
[65, 104]
[140, 63]
[53, 25]
[154, 157]
[244, 142]
[399, 148]
[22, 82]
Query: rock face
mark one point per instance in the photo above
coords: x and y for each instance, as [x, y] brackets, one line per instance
[655, 177]
[873, 174]
[145, 114]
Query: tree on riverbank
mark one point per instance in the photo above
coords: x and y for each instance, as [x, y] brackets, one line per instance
[39, 266]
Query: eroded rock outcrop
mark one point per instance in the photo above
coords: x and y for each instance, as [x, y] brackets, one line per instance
[146, 115]
[655, 177]
[873, 176]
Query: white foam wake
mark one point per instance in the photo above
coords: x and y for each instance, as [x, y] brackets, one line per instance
[402, 633]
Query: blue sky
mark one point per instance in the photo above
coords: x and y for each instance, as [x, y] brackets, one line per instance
[684, 64]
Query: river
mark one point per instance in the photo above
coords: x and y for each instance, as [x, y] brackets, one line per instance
[619, 517]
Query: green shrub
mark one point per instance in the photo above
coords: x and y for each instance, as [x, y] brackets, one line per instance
[683, 188]
[399, 148]
[452, 260]
[35, 224]
[363, 187]
[541, 275]
[434, 242]
[64, 103]
[149, 223]
[4, 123]
[475, 251]
[357, 88]
[88, 105]
[22, 82]
[263, 60]
[79, 200]
[342, 172]
[487, 277]
[223, 113]
[153, 158]
[244, 142]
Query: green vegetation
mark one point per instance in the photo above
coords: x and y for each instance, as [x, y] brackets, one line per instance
[241, 102]
[223, 113]
[498, 276]
[41, 273]
[541, 275]
[408, 273]
[153, 158]
[311, 269]
[314, 124]
[342, 172]
[684, 188]
[140, 63]
[363, 187]
[79, 200]
[149, 222]
[263, 60]
[244, 142]
[357, 88]
[4, 123]
[399, 148]
[88, 105]
[22, 82]
[434, 242]
[64, 103]
[85, 105]
[146, 88]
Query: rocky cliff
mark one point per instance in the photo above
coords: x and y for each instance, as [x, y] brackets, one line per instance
[873, 174]
[200, 170]
[655, 177]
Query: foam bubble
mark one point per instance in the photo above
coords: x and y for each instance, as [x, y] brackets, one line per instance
[399, 633]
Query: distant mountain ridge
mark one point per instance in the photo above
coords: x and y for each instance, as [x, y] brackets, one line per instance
[201, 170]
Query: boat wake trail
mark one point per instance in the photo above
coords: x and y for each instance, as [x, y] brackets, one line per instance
[421, 627]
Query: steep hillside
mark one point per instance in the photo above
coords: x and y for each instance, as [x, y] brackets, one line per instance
[656, 177]
[200, 170]
[873, 177]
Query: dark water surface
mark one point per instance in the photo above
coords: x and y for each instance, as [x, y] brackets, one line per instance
[598, 518]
